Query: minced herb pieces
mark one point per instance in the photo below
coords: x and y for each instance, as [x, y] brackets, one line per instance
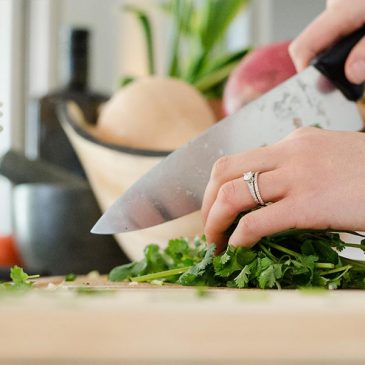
[70, 277]
[291, 259]
[20, 280]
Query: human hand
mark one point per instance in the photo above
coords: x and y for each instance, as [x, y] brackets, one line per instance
[340, 18]
[314, 178]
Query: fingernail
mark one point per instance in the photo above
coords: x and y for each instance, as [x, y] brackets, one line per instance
[357, 72]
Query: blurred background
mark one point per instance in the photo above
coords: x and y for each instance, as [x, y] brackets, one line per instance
[86, 50]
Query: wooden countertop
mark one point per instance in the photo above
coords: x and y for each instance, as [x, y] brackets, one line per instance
[125, 322]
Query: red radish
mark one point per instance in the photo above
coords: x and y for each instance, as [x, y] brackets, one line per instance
[263, 69]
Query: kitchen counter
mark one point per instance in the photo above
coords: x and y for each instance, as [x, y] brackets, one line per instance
[93, 321]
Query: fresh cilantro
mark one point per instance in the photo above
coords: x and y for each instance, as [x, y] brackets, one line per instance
[20, 280]
[124, 272]
[242, 279]
[291, 259]
[195, 273]
[70, 277]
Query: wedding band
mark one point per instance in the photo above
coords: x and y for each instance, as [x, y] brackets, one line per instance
[250, 179]
[256, 188]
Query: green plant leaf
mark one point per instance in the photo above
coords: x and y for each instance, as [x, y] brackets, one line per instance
[242, 279]
[123, 272]
[286, 260]
[197, 271]
[147, 31]
[126, 80]
[212, 79]
[226, 59]
[18, 275]
[216, 16]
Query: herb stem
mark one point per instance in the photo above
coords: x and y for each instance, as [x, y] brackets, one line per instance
[160, 274]
[338, 269]
[284, 249]
[267, 252]
[30, 277]
[324, 265]
[355, 245]
[355, 264]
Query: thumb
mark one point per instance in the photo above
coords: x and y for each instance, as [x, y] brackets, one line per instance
[355, 64]
[338, 20]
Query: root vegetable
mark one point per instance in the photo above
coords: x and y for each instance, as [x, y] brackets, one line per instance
[156, 113]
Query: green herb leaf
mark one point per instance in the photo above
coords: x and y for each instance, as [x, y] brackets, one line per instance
[145, 23]
[20, 281]
[70, 277]
[242, 279]
[290, 259]
[18, 276]
[196, 271]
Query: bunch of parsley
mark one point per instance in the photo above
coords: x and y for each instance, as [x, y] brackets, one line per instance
[291, 259]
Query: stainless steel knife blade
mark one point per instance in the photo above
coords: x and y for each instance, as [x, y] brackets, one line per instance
[175, 187]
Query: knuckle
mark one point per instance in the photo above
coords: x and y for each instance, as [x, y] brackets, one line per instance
[227, 196]
[335, 4]
[227, 191]
[303, 216]
[293, 49]
[219, 168]
[302, 131]
[303, 140]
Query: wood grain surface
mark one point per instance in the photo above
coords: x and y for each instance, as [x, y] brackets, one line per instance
[122, 322]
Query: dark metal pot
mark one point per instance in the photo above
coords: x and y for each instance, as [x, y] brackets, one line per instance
[52, 225]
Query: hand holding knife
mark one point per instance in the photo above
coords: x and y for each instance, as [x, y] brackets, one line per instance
[176, 186]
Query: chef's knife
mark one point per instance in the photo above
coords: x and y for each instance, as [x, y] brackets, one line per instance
[175, 187]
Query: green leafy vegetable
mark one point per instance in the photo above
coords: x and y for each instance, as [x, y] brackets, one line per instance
[290, 259]
[197, 52]
[20, 280]
[70, 277]
[147, 31]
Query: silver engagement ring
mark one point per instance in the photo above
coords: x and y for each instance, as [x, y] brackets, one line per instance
[251, 179]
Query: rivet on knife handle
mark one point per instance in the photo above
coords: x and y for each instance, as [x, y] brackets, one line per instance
[331, 63]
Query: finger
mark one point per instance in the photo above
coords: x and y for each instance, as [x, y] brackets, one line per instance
[232, 167]
[234, 197]
[334, 23]
[355, 64]
[263, 222]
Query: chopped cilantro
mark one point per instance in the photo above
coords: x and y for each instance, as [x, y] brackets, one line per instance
[20, 280]
[70, 277]
[290, 259]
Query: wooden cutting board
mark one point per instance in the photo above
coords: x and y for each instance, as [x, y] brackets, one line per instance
[122, 322]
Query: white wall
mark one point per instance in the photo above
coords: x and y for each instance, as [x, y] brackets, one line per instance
[102, 17]
[11, 93]
[116, 41]
[290, 17]
[275, 20]
[117, 44]
[5, 19]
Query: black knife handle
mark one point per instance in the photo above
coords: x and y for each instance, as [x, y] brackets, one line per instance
[331, 63]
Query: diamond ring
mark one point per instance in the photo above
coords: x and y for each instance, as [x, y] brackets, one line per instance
[251, 179]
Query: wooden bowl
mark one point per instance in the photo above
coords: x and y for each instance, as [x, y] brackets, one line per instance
[111, 169]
